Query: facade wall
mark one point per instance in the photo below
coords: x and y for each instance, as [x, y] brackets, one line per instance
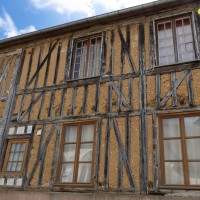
[125, 101]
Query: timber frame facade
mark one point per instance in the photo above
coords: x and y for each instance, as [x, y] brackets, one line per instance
[126, 101]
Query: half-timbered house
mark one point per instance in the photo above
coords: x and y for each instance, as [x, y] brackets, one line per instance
[104, 104]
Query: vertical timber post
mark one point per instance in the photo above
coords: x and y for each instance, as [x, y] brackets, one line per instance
[143, 118]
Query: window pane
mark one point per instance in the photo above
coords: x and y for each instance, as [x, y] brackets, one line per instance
[171, 128]
[13, 166]
[174, 173]
[21, 130]
[12, 147]
[23, 145]
[67, 173]
[11, 131]
[10, 156]
[21, 157]
[15, 157]
[71, 134]
[86, 152]
[84, 173]
[69, 152]
[19, 164]
[17, 148]
[192, 126]
[87, 133]
[193, 148]
[8, 166]
[194, 173]
[172, 150]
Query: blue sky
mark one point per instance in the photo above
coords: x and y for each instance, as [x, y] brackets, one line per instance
[22, 16]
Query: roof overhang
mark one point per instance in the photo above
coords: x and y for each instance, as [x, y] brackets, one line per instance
[144, 9]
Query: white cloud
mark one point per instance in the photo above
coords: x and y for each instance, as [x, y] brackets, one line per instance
[7, 26]
[87, 7]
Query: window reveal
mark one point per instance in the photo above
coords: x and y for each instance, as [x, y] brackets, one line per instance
[175, 41]
[180, 158]
[87, 60]
[77, 155]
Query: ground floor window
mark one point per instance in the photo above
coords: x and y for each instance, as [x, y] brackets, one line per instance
[179, 150]
[15, 156]
[76, 160]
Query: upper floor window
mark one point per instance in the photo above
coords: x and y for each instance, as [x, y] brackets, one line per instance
[179, 150]
[175, 41]
[87, 59]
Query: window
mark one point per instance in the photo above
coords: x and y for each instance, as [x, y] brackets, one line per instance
[175, 40]
[15, 156]
[179, 149]
[87, 59]
[77, 154]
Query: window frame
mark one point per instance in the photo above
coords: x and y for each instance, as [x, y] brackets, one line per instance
[79, 124]
[8, 148]
[173, 19]
[185, 160]
[88, 38]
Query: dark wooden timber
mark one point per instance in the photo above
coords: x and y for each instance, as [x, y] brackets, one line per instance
[157, 91]
[174, 93]
[42, 152]
[55, 159]
[96, 107]
[190, 90]
[85, 98]
[143, 117]
[103, 54]
[120, 96]
[155, 153]
[98, 153]
[152, 45]
[40, 175]
[107, 154]
[123, 154]
[35, 81]
[41, 65]
[73, 101]
[123, 100]
[176, 84]
[130, 92]
[126, 50]
[109, 99]
[68, 59]
[111, 64]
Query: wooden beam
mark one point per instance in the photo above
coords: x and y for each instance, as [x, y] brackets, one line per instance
[73, 101]
[103, 54]
[96, 107]
[109, 99]
[34, 101]
[10, 103]
[157, 91]
[123, 154]
[42, 152]
[98, 152]
[40, 175]
[190, 90]
[68, 59]
[174, 93]
[152, 45]
[130, 92]
[35, 80]
[41, 65]
[107, 155]
[176, 84]
[155, 153]
[111, 64]
[123, 100]
[126, 50]
[85, 99]
[120, 96]
[143, 118]
[55, 159]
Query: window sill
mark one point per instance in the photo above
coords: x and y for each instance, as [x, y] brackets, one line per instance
[177, 187]
[74, 185]
[177, 64]
[84, 79]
